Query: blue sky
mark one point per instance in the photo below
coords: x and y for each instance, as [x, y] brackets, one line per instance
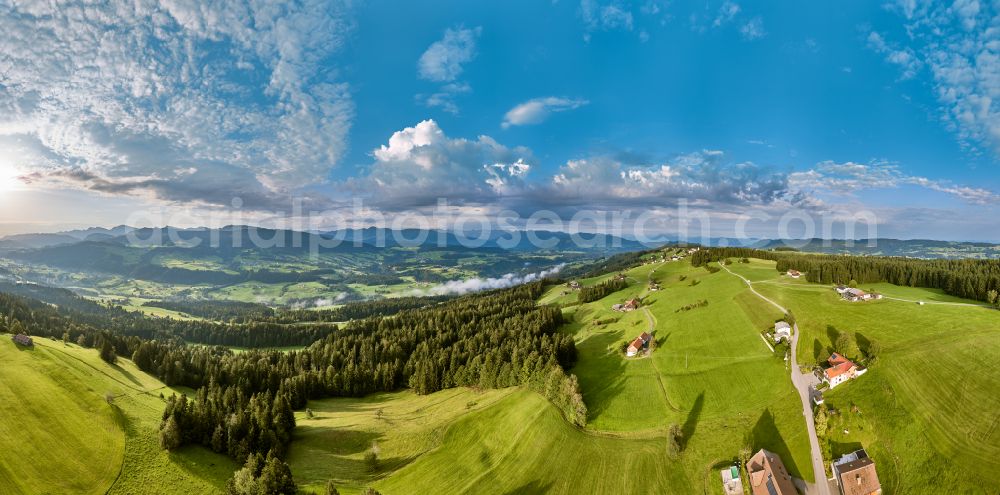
[730, 107]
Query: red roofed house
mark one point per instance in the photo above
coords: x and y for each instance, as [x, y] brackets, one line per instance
[841, 369]
[634, 347]
[794, 273]
[768, 475]
[855, 474]
[631, 304]
[638, 344]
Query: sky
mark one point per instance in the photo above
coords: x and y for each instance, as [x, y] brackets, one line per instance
[765, 119]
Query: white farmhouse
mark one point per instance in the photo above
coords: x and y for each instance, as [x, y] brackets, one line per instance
[782, 331]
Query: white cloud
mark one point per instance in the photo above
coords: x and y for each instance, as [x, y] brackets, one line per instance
[704, 176]
[443, 60]
[467, 286]
[614, 15]
[851, 177]
[421, 164]
[537, 110]
[905, 58]
[130, 93]
[753, 29]
[727, 12]
[960, 45]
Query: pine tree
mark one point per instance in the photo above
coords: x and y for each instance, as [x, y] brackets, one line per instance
[108, 351]
[170, 434]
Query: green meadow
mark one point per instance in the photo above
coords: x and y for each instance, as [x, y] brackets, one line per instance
[927, 410]
[711, 375]
[68, 439]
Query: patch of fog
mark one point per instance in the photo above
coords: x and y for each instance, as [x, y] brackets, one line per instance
[323, 302]
[320, 302]
[459, 287]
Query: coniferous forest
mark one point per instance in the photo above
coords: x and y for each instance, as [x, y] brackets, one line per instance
[244, 401]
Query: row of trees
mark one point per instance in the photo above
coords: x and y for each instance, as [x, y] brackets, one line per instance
[601, 290]
[971, 279]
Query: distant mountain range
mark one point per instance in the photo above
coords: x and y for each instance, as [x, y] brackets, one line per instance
[30, 241]
[367, 239]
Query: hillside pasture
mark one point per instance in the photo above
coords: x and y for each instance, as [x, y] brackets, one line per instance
[930, 396]
[70, 440]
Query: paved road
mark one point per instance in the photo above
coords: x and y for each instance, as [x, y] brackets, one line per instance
[803, 383]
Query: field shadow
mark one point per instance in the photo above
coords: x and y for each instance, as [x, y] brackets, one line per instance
[336, 441]
[602, 375]
[765, 435]
[817, 350]
[691, 423]
[832, 333]
[838, 449]
[863, 342]
[127, 374]
[530, 488]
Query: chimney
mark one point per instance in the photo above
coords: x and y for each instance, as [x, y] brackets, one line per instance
[858, 476]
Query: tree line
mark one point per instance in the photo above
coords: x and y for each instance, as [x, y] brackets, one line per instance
[967, 278]
[601, 290]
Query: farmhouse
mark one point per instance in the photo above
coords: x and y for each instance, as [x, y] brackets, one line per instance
[782, 331]
[574, 285]
[638, 344]
[768, 475]
[841, 289]
[675, 258]
[630, 305]
[620, 276]
[855, 474]
[794, 273]
[855, 295]
[22, 339]
[841, 369]
[653, 286]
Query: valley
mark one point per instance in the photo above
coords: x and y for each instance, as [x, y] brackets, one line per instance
[709, 387]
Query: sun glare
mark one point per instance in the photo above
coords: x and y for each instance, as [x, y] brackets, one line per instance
[8, 177]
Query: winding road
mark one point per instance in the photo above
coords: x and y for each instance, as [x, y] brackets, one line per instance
[803, 383]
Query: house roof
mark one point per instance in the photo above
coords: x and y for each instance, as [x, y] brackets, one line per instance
[636, 344]
[768, 475]
[644, 336]
[782, 325]
[839, 369]
[859, 477]
[836, 359]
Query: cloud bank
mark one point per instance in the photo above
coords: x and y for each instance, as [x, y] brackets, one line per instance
[459, 287]
[148, 109]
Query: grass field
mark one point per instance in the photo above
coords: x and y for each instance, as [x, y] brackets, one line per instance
[67, 439]
[331, 445]
[927, 411]
[710, 372]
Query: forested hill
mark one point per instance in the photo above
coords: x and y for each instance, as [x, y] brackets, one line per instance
[243, 401]
[971, 279]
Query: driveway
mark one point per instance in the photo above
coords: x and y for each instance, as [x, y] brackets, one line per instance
[803, 383]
